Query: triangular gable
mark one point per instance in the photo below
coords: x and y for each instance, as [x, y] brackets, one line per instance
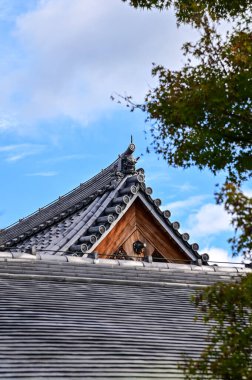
[139, 224]
[142, 216]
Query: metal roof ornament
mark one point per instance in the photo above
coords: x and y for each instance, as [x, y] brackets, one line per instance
[128, 162]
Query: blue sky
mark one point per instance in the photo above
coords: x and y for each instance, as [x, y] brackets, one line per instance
[60, 62]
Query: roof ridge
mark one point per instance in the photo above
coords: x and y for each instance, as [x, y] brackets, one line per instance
[124, 264]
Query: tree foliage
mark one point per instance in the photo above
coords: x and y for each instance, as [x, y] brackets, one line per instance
[192, 11]
[228, 354]
[239, 206]
[201, 114]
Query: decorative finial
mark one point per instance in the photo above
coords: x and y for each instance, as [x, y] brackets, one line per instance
[131, 139]
[128, 161]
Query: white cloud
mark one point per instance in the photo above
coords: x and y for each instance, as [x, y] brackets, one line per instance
[248, 192]
[10, 8]
[5, 9]
[69, 157]
[17, 157]
[157, 176]
[184, 187]
[210, 219]
[43, 174]
[9, 148]
[13, 153]
[194, 200]
[7, 123]
[73, 56]
[221, 257]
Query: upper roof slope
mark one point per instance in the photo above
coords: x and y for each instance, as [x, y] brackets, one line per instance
[77, 198]
[77, 221]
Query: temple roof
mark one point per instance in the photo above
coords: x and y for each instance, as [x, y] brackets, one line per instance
[79, 318]
[69, 312]
[78, 221]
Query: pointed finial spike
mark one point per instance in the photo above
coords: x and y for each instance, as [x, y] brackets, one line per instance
[131, 139]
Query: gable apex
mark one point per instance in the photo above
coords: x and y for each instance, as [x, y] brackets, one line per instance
[140, 225]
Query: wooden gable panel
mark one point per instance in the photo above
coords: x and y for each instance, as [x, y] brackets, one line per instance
[139, 224]
[119, 234]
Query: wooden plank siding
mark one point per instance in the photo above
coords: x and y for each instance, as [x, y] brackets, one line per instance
[139, 224]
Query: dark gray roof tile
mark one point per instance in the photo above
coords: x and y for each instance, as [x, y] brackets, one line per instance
[52, 329]
[79, 194]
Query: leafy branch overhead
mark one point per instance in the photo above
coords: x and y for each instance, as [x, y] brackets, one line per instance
[239, 205]
[192, 11]
[201, 114]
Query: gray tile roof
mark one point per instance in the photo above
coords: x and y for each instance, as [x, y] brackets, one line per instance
[74, 318]
[71, 317]
[69, 203]
[79, 220]
[80, 331]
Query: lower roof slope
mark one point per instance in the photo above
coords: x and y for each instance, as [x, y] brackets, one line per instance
[81, 331]
[99, 319]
